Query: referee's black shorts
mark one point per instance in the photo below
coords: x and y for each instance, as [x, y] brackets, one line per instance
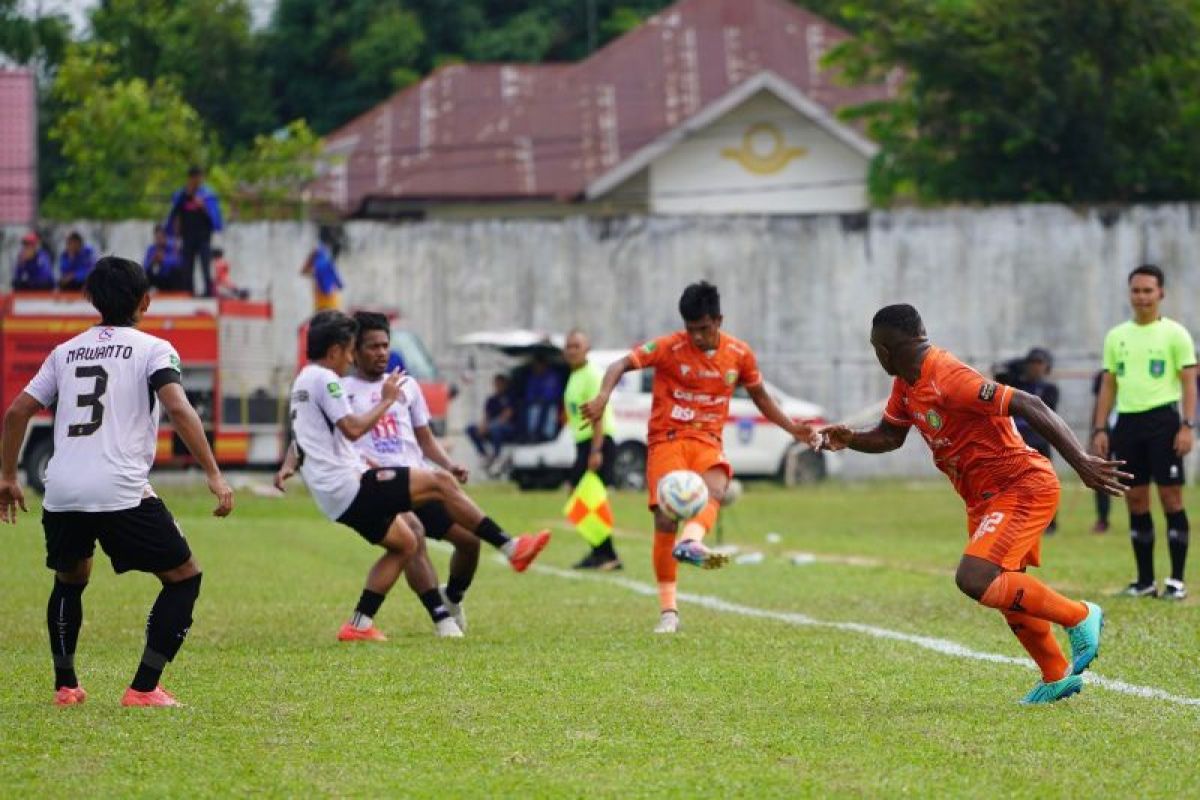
[583, 450]
[1146, 443]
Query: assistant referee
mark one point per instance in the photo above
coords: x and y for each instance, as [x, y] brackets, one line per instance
[1149, 366]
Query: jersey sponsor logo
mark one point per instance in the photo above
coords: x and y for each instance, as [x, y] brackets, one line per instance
[175, 363]
[334, 388]
[987, 525]
[987, 392]
[682, 414]
[300, 396]
[684, 369]
[934, 419]
[649, 347]
[1158, 367]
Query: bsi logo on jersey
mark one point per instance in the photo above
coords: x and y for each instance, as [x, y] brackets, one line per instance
[335, 389]
[175, 363]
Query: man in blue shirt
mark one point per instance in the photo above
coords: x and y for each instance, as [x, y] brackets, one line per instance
[75, 262]
[543, 400]
[34, 271]
[195, 214]
[496, 427]
[162, 260]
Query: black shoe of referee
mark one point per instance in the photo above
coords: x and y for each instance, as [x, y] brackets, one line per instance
[1173, 590]
[1135, 589]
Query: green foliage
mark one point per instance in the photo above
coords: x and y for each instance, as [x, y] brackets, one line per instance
[39, 40]
[1010, 100]
[265, 180]
[126, 143]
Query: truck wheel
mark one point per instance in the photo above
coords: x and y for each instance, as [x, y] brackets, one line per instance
[629, 467]
[801, 466]
[37, 458]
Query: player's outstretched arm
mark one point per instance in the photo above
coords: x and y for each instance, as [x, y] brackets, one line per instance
[1097, 473]
[432, 449]
[800, 431]
[187, 424]
[291, 461]
[593, 410]
[16, 422]
[355, 426]
[883, 438]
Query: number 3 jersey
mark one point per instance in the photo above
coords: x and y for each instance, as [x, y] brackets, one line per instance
[103, 383]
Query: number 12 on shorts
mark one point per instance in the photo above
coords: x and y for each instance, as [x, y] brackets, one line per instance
[988, 525]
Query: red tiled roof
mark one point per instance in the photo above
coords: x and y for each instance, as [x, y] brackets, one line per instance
[18, 147]
[480, 132]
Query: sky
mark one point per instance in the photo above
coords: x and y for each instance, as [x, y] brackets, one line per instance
[77, 10]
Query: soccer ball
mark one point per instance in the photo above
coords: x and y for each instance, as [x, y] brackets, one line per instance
[682, 494]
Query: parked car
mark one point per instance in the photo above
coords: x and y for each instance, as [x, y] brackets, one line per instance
[755, 447]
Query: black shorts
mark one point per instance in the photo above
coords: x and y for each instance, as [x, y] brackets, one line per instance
[382, 494]
[583, 450]
[144, 538]
[1146, 443]
[435, 519]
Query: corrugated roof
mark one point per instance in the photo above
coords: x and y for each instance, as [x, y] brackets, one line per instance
[18, 147]
[492, 131]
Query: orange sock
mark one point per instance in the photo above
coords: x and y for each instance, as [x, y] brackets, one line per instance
[1021, 593]
[665, 568]
[1038, 640]
[703, 522]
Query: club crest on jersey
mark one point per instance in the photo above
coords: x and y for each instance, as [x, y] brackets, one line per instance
[987, 392]
[649, 347]
[731, 377]
[934, 419]
[1158, 367]
[175, 363]
[684, 369]
[106, 334]
[335, 389]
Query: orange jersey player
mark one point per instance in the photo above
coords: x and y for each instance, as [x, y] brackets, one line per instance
[1010, 490]
[695, 373]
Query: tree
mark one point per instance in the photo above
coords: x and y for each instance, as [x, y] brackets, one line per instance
[126, 143]
[1011, 100]
[40, 40]
[267, 180]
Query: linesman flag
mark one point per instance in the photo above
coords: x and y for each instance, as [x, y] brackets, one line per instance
[588, 510]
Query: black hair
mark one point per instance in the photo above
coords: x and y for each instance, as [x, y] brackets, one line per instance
[500, 376]
[1153, 271]
[194, 170]
[116, 287]
[372, 321]
[326, 329]
[217, 252]
[76, 235]
[900, 317]
[158, 226]
[700, 300]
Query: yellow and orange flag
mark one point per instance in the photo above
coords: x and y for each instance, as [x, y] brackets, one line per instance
[588, 510]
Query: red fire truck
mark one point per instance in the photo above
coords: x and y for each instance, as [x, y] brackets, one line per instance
[230, 371]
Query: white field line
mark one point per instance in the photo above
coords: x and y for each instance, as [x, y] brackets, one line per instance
[943, 646]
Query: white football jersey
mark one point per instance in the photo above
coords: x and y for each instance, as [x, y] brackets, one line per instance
[104, 382]
[393, 441]
[329, 464]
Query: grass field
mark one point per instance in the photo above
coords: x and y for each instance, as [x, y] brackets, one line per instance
[560, 689]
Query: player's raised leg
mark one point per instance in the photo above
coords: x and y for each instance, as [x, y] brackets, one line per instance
[428, 486]
[400, 543]
[691, 548]
[64, 618]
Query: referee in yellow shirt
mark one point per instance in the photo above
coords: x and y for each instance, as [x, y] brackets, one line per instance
[1150, 365]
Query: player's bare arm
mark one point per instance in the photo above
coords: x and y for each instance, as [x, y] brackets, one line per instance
[1096, 472]
[16, 421]
[1104, 405]
[291, 460]
[763, 401]
[355, 426]
[1185, 438]
[187, 424]
[596, 456]
[432, 449]
[883, 438]
[593, 410]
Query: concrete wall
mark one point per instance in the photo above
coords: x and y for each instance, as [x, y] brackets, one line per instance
[989, 282]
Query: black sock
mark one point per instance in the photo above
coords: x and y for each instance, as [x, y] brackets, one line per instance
[1177, 542]
[605, 549]
[488, 531]
[64, 618]
[457, 586]
[432, 600]
[368, 606]
[166, 628]
[1103, 504]
[1141, 533]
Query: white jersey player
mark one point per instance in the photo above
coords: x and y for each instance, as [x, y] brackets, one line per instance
[106, 386]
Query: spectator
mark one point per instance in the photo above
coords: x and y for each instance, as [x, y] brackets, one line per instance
[226, 288]
[75, 262]
[162, 260]
[321, 265]
[34, 271]
[1029, 375]
[496, 427]
[543, 398]
[195, 215]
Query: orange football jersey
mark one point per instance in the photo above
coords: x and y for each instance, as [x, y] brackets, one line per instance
[964, 419]
[692, 387]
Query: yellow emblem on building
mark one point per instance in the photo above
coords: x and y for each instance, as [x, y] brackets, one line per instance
[756, 158]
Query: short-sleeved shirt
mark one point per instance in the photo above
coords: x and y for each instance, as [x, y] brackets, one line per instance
[692, 387]
[582, 387]
[1146, 360]
[393, 440]
[964, 419]
[104, 382]
[330, 465]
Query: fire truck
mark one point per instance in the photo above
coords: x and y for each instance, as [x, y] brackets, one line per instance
[230, 371]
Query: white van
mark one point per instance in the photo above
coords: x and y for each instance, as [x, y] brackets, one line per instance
[755, 447]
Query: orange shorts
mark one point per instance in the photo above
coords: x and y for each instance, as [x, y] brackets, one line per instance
[1007, 530]
[684, 453]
